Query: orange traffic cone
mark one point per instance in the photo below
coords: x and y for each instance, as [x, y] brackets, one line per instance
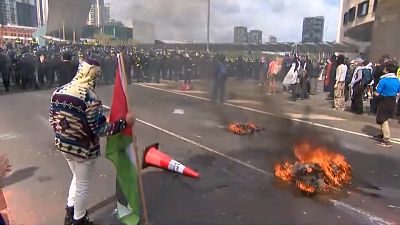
[154, 157]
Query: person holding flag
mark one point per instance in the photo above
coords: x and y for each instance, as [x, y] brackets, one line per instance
[76, 115]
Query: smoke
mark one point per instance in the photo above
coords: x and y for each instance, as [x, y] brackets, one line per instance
[187, 19]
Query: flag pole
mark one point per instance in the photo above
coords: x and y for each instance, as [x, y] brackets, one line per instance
[135, 149]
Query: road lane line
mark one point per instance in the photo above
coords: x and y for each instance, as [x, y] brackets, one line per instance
[206, 148]
[370, 216]
[367, 215]
[394, 141]
[7, 136]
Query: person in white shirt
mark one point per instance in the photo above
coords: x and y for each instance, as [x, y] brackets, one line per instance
[339, 97]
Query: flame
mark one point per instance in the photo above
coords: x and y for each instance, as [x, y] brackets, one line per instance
[243, 128]
[305, 187]
[315, 168]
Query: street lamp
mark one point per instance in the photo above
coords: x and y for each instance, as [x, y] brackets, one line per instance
[208, 26]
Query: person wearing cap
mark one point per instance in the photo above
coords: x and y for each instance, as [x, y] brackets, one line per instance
[76, 116]
[387, 90]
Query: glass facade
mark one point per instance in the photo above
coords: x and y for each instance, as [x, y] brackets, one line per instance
[118, 32]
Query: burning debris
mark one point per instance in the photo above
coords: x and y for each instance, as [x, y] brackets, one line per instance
[244, 128]
[316, 169]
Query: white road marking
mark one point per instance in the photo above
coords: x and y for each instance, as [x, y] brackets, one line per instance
[179, 111]
[193, 92]
[394, 141]
[240, 101]
[7, 136]
[206, 148]
[361, 212]
[370, 216]
[157, 84]
[366, 214]
[313, 116]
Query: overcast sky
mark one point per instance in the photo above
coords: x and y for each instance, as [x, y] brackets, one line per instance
[187, 19]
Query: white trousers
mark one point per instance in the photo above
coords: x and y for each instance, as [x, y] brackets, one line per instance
[82, 171]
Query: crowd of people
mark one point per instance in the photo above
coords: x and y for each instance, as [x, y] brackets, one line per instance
[344, 80]
[31, 66]
[27, 66]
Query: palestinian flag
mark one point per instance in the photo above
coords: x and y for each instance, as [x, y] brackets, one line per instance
[120, 152]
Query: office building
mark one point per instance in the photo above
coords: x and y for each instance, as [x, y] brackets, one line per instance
[118, 31]
[255, 37]
[9, 33]
[362, 23]
[42, 10]
[313, 29]
[26, 14]
[240, 35]
[107, 13]
[97, 13]
[272, 39]
[8, 12]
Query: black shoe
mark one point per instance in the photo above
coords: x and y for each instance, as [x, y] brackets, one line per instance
[385, 143]
[83, 221]
[69, 215]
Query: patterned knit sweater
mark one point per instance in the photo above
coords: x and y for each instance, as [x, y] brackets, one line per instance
[76, 115]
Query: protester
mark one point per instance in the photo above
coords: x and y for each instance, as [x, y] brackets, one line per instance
[67, 69]
[313, 75]
[330, 75]
[377, 73]
[341, 71]
[263, 72]
[274, 68]
[386, 91]
[291, 79]
[77, 119]
[219, 80]
[357, 87]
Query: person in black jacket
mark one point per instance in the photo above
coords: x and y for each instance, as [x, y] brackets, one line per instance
[377, 73]
[219, 80]
[67, 69]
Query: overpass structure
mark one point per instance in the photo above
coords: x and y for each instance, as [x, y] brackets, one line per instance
[63, 19]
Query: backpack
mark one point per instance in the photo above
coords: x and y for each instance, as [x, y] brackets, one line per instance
[349, 76]
[366, 76]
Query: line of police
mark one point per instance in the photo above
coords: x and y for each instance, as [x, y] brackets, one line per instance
[32, 66]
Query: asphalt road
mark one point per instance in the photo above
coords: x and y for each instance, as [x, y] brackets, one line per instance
[237, 185]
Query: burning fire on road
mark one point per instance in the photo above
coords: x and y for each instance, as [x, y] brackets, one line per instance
[244, 128]
[316, 169]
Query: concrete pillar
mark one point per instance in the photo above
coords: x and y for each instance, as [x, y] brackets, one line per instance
[386, 30]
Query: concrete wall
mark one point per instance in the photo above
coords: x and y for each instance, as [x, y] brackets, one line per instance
[386, 30]
[346, 5]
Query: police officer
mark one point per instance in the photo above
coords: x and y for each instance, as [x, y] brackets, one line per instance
[67, 70]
